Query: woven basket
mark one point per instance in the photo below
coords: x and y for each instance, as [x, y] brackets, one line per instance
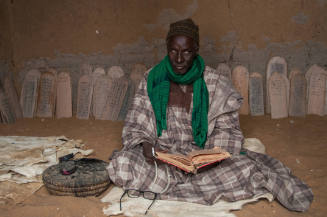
[90, 178]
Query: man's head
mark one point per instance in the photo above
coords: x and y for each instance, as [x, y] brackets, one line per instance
[182, 45]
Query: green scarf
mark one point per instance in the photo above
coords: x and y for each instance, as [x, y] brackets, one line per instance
[158, 85]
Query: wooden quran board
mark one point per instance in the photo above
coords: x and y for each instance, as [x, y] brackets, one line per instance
[84, 97]
[47, 95]
[256, 99]
[116, 95]
[298, 91]
[115, 72]
[224, 69]
[278, 91]
[315, 69]
[127, 101]
[11, 93]
[316, 93]
[29, 93]
[135, 78]
[240, 79]
[97, 72]
[101, 91]
[275, 64]
[86, 69]
[7, 114]
[64, 96]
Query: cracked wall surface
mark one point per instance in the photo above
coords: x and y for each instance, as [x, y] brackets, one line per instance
[65, 34]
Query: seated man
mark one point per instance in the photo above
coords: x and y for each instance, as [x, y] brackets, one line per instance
[182, 105]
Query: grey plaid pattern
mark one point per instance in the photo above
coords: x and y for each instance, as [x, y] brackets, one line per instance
[240, 177]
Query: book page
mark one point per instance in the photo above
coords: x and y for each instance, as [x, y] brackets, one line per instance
[177, 157]
[214, 150]
[195, 159]
[209, 158]
[208, 155]
[178, 160]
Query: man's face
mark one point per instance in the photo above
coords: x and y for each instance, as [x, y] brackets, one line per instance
[181, 52]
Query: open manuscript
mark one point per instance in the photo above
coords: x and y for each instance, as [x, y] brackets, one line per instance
[194, 160]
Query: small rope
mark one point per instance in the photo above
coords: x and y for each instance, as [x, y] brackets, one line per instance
[166, 188]
[156, 169]
[156, 176]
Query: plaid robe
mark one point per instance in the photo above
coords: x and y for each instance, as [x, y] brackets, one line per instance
[237, 178]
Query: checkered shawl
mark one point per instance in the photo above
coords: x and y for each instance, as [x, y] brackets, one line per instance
[240, 177]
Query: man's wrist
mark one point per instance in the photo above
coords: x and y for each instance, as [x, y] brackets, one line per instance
[153, 152]
[147, 149]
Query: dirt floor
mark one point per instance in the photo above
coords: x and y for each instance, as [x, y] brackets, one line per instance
[300, 143]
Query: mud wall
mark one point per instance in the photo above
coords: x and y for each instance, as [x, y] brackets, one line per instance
[5, 40]
[64, 34]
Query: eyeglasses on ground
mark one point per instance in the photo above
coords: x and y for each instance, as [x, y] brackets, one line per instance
[134, 193]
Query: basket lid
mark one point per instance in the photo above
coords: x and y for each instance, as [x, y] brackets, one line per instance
[88, 172]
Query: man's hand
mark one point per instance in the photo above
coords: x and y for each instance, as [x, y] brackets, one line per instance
[147, 152]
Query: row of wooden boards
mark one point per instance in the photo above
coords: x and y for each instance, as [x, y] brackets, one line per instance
[295, 95]
[107, 95]
[104, 96]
